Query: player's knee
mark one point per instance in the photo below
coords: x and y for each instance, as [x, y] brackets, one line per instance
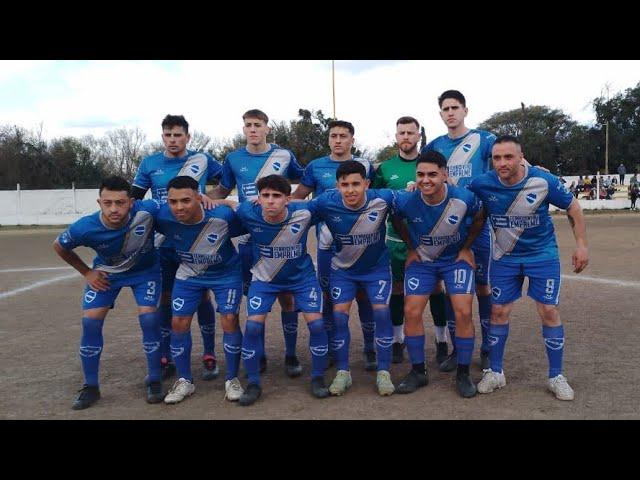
[316, 326]
[499, 314]
[180, 324]
[549, 314]
[253, 329]
[229, 322]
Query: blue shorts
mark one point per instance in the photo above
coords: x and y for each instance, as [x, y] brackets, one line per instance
[245, 250]
[169, 262]
[376, 283]
[421, 278]
[186, 296]
[507, 278]
[324, 268]
[307, 295]
[146, 287]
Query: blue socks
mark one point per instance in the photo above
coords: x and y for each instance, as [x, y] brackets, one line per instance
[150, 325]
[91, 344]
[415, 347]
[327, 320]
[554, 344]
[341, 340]
[451, 319]
[464, 349]
[164, 311]
[253, 349]
[384, 336]
[319, 348]
[365, 312]
[207, 322]
[484, 310]
[232, 344]
[290, 330]
[497, 340]
[181, 353]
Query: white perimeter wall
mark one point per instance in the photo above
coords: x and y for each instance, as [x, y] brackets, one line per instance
[62, 207]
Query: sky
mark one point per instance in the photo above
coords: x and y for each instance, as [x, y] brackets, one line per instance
[70, 97]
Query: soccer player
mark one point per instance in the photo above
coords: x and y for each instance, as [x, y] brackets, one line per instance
[121, 234]
[468, 154]
[397, 173]
[282, 265]
[208, 260]
[320, 176]
[516, 199]
[437, 217]
[356, 219]
[154, 173]
[242, 169]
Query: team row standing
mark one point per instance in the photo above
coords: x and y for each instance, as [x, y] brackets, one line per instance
[347, 245]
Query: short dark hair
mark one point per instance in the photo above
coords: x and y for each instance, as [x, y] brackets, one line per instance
[508, 139]
[455, 94]
[115, 183]
[183, 181]
[343, 124]
[275, 182]
[406, 120]
[255, 113]
[171, 121]
[432, 157]
[350, 166]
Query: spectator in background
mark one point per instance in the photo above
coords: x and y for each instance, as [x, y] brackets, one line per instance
[622, 172]
[634, 192]
[634, 179]
[607, 182]
[580, 186]
[574, 189]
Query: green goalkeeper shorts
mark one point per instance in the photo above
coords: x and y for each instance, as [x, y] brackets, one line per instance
[398, 255]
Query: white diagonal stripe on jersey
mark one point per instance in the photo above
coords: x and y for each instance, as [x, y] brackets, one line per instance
[460, 157]
[326, 239]
[133, 244]
[278, 155]
[203, 246]
[349, 254]
[198, 159]
[506, 238]
[266, 269]
[455, 206]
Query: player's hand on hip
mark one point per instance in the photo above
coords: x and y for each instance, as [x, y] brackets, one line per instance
[412, 256]
[466, 255]
[98, 280]
[580, 259]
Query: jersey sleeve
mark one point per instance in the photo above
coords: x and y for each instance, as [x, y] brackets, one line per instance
[402, 198]
[214, 168]
[151, 206]
[473, 205]
[308, 179]
[316, 206]
[379, 179]
[486, 157]
[236, 228]
[372, 173]
[143, 179]
[559, 195]
[428, 147]
[295, 170]
[228, 179]
[72, 236]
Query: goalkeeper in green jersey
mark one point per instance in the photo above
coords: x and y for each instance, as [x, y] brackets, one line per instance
[396, 173]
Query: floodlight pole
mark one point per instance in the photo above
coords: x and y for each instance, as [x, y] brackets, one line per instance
[333, 83]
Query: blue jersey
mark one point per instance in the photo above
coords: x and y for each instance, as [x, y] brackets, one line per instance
[519, 214]
[320, 174]
[123, 251]
[467, 157]
[204, 249]
[279, 249]
[157, 170]
[359, 235]
[243, 169]
[438, 232]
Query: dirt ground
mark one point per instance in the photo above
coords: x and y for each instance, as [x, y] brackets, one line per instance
[40, 331]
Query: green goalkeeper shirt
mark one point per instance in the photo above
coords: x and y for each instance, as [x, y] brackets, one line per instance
[395, 173]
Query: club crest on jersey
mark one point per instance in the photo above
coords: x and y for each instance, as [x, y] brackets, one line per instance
[277, 166]
[413, 283]
[335, 292]
[531, 198]
[453, 219]
[212, 237]
[495, 292]
[195, 169]
[295, 228]
[255, 302]
[90, 296]
[466, 147]
[372, 216]
[139, 230]
[178, 303]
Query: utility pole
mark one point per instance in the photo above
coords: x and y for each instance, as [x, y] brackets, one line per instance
[606, 144]
[333, 83]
